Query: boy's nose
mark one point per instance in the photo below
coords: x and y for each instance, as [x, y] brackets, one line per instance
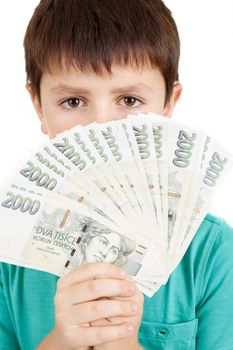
[103, 115]
[106, 117]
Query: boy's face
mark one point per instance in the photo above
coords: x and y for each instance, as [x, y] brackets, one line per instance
[73, 97]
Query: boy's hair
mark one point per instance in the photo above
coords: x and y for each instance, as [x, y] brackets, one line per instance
[96, 33]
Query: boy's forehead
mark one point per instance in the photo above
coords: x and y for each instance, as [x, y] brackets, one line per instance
[116, 70]
[119, 74]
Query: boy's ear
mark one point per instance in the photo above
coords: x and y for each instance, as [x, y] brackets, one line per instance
[176, 93]
[37, 106]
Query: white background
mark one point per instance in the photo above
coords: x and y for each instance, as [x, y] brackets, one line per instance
[206, 72]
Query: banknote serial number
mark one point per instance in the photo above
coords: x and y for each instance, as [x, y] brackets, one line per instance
[142, 136]
[184, 151]
[111, 141]
[216, 165]
[70, 153]
[42, 179]
[24, 204]
[157, 133]
[49, 165]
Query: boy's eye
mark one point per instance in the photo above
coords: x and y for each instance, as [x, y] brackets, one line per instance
[72, 103]
[130, 101]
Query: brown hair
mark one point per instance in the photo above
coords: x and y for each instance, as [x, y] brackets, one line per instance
[96, 33]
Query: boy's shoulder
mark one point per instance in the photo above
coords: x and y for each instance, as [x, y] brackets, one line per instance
[216, 229]
[214, 236]
[210, 252]
[216, 220]
[213, 240]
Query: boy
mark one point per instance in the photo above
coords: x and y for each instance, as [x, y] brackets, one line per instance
[100, 60]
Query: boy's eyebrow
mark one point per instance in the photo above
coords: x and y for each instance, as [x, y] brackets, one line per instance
[139, 87]
[75, 89]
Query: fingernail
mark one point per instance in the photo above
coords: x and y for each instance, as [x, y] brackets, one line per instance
[122, 273]
[130, 327]
[132, 288]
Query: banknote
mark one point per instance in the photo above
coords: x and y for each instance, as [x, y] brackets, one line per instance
[117, 185]
[185, 149]
[160, 138]
[131, 192]
[216, 163]
[143, 131]
[59, 234]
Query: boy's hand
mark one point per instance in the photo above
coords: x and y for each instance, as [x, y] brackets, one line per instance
[131, 342]
[79, 302]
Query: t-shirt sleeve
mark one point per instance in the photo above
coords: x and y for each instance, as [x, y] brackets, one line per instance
[8, 338]
[215, 306]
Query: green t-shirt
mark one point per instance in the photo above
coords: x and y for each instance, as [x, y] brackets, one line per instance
[194, 310]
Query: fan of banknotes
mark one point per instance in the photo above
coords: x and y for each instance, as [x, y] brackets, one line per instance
[130, 192]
